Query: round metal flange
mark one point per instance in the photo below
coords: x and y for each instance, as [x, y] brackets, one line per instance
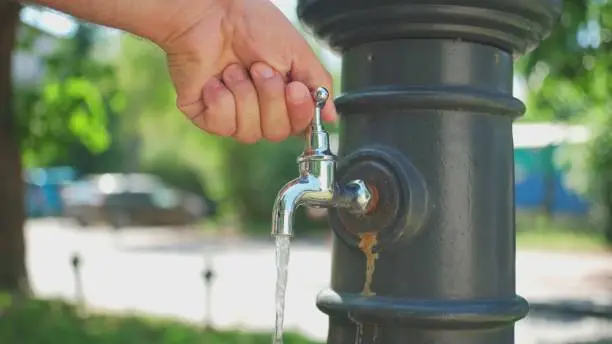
[385, 206]
[399, 202]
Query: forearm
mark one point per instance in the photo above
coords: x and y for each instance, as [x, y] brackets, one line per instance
[152, 19]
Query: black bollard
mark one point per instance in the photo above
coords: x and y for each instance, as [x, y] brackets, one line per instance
[79, 294]
[208, 276]
[426, 120]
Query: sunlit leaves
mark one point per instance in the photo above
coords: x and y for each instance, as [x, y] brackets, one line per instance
[71, 105]
[72, 108]
[84, 109]
[576, 87]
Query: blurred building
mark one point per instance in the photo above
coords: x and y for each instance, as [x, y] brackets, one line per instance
[543, 178]
[28, 64]
[43, 190]
[40, 35]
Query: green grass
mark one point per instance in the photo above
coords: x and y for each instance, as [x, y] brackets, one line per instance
[56, 322]
[535, 231]
[559, 240]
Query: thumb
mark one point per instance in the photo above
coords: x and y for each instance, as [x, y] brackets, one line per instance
[307, 69]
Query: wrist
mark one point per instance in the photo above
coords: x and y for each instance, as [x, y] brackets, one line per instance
[156, 20]
[169, 20]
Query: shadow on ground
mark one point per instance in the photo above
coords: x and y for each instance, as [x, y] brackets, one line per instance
[568, 310]
[570, 322]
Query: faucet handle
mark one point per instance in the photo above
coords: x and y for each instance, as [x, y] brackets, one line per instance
[320, 96]
[317, 139]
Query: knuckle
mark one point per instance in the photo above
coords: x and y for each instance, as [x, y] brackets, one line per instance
[278, 135]
[244, 86]
[223, 130]
[248, 138]
[218, 124]
[224, 99]
[272, 89]
[248, 134]
[244, 91]
[299, 126]
[219, 101]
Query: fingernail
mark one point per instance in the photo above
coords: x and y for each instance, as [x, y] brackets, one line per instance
[236, 73]
[263, 71]
[297, 95]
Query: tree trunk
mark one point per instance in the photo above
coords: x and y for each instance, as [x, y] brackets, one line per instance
[13, 274]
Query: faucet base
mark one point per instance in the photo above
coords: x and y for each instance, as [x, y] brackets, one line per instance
[354, 196]
[400, 195]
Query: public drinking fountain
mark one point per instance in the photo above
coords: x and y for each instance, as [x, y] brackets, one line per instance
[426, 127]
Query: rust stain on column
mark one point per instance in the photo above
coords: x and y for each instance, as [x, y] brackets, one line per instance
[366, 244]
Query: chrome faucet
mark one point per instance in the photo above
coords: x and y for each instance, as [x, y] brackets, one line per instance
[316, 186]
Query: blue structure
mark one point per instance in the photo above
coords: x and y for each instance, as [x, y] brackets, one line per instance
[43, 190]
[539, 182]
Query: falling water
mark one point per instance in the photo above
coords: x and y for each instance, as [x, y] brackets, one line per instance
[283, 243]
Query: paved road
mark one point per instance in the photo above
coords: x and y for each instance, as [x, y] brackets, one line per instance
[155, 271]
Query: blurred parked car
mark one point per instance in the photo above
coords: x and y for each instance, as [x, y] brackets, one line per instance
[42, 190]
[132, 199]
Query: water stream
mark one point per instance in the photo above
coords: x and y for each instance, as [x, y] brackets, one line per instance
[283, 244]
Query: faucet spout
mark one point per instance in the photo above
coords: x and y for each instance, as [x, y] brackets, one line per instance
[294, 194]
[316, 185]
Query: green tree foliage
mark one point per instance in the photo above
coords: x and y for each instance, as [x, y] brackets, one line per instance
[66, 118]
[555, 67]
[569, 80]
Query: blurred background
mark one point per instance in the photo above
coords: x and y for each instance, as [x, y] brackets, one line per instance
[129, 209]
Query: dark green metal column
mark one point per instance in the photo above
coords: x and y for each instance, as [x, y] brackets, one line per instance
[426, 119]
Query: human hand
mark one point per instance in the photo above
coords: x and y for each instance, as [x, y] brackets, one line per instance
[241, 69]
